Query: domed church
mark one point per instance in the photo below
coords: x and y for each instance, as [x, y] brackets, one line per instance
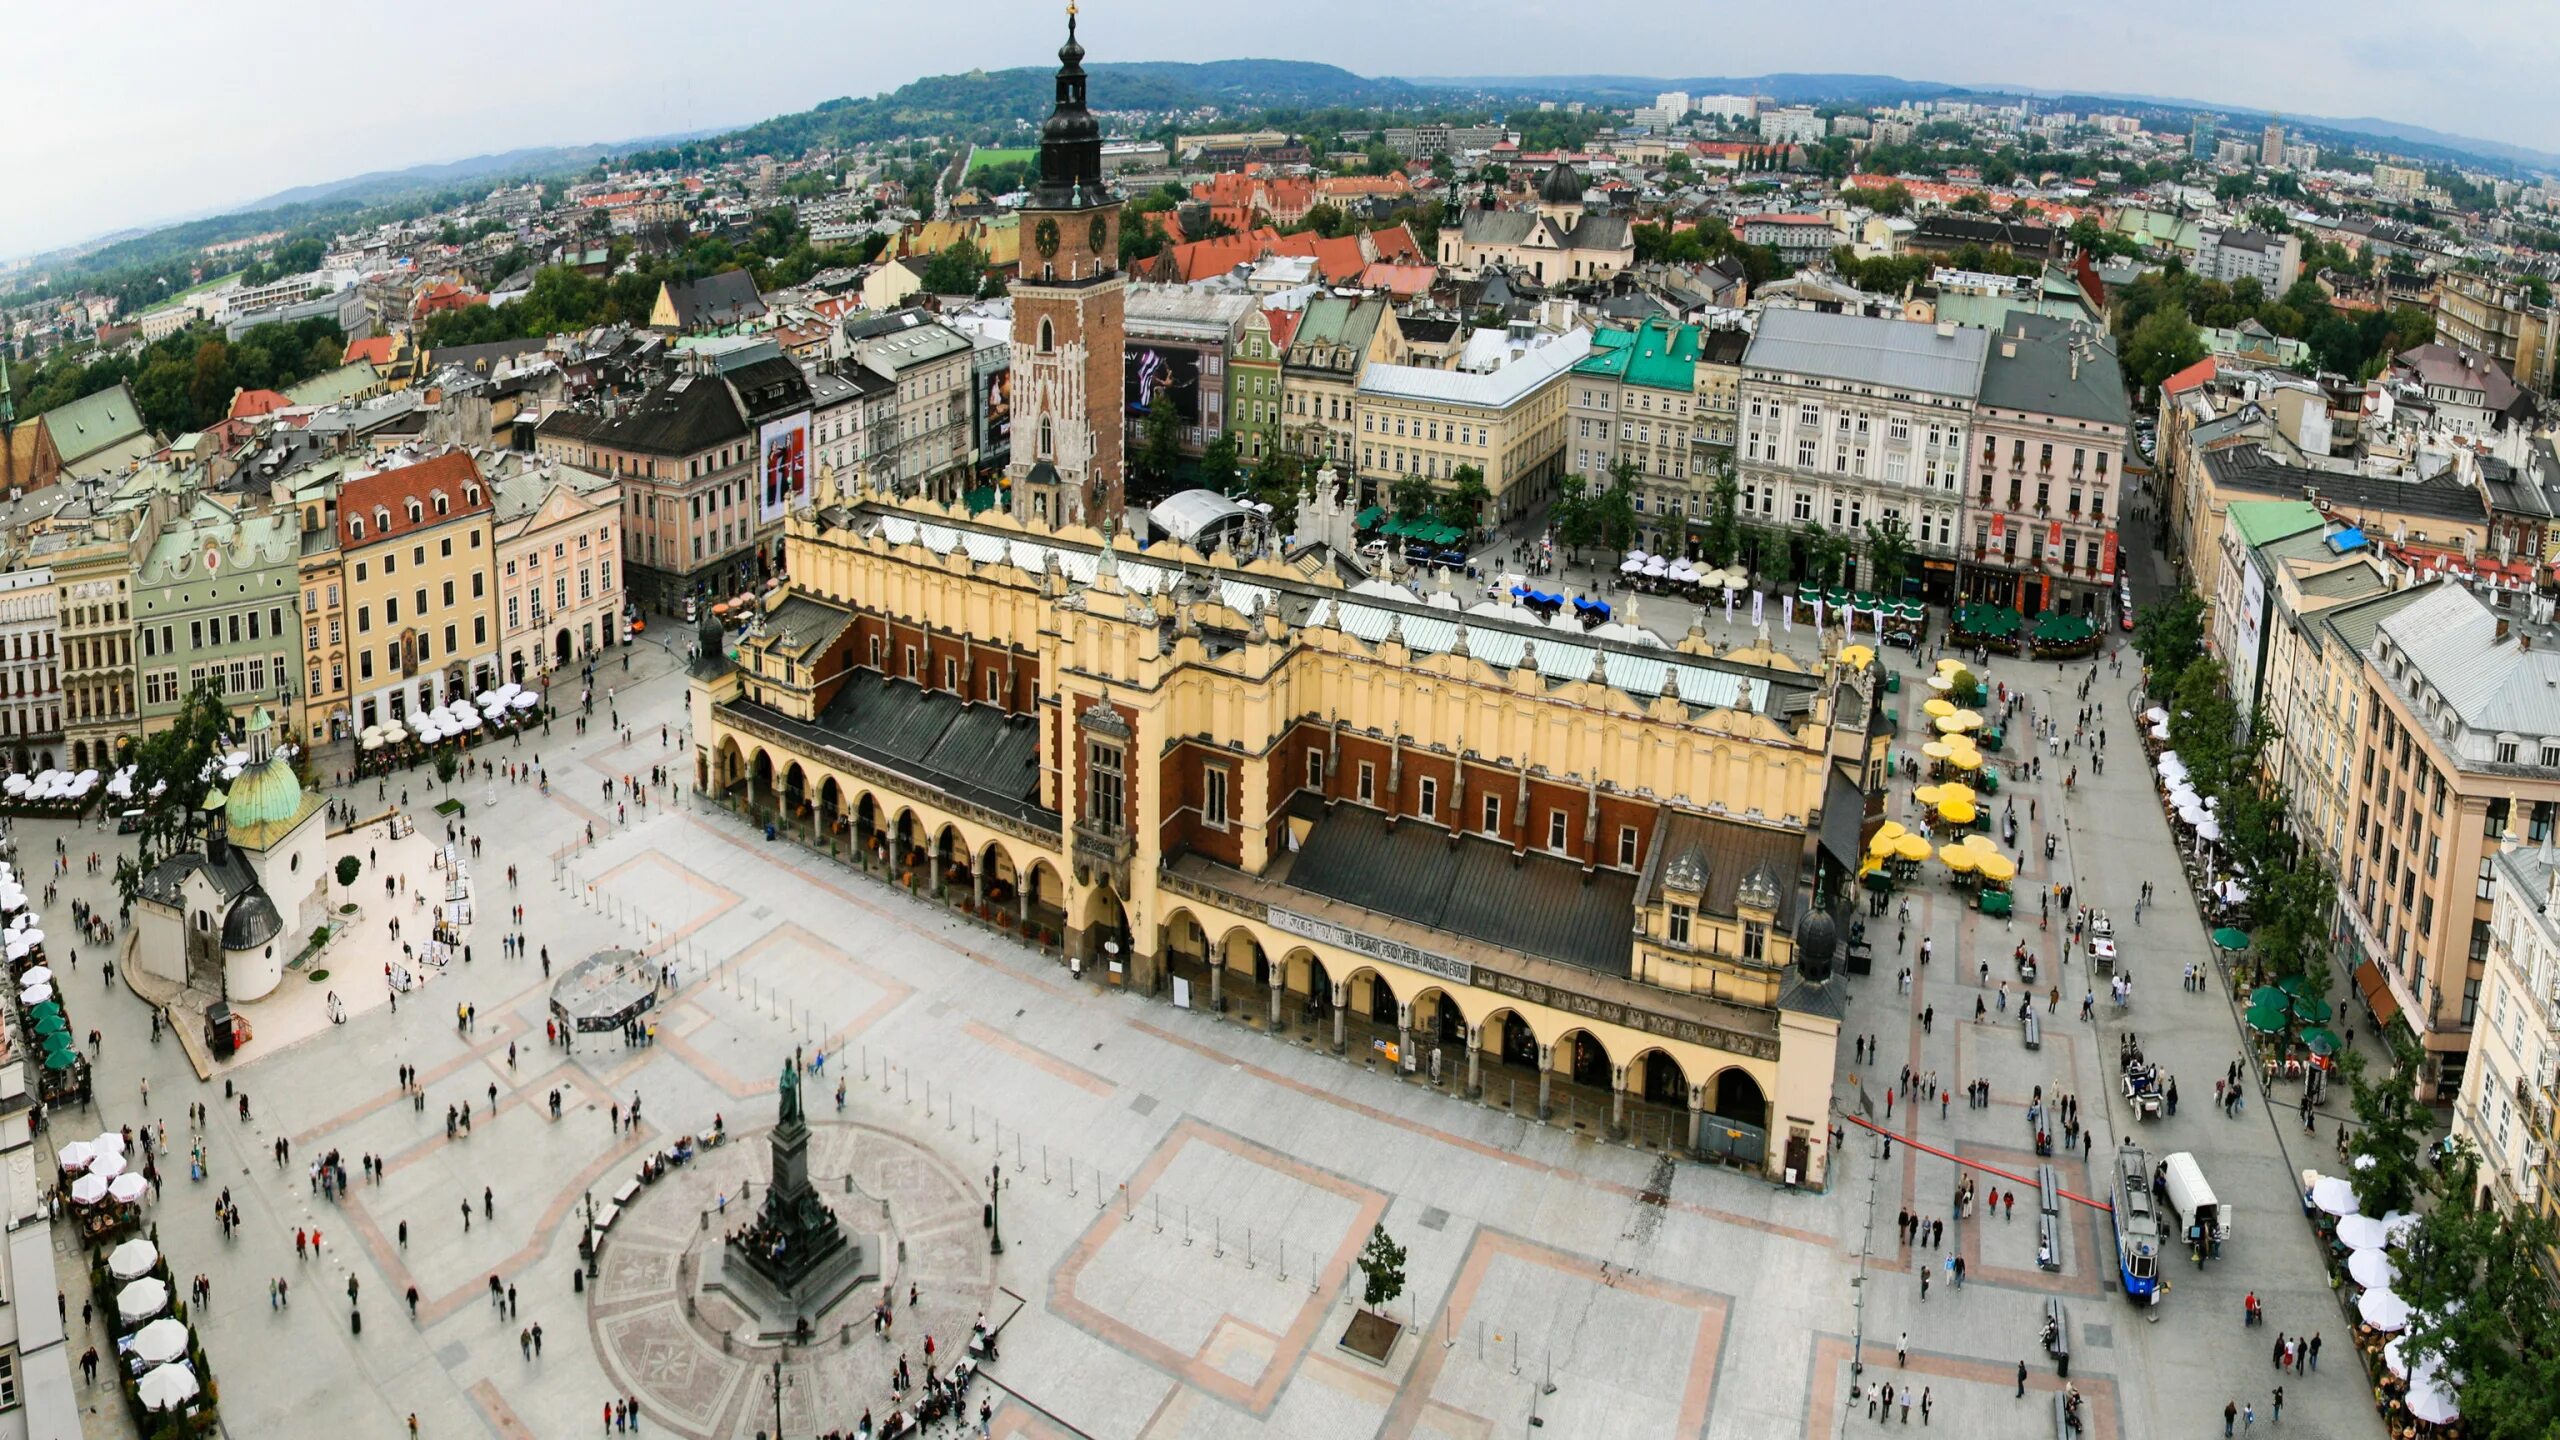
[225, 914]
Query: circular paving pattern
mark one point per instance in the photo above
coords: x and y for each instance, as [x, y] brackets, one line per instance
[660, 1344]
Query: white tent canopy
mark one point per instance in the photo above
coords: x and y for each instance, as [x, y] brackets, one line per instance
[167, 1388]
[2333, 1194]
[130, 1260]
[2383, 1310]
[142, 1299]
[160, 1342]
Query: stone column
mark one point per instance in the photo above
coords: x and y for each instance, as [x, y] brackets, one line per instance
[978, 888]
[1279, 985]
[1341, 1002]
[1546, 1076]
[1218, 979]
[1697, 1116]
[1618, 1100]
[1404, 1034]
[1475, 1062]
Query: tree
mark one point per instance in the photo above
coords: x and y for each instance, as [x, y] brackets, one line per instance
[2170, 636]
[1410, 497]
[2164, 344]
[1723, 538]
[1462, 504]
[2232, 189]
[1574, 515]
[1614, 508]
[2503, 1336]
[1325, 220]
[170, 778]
[1218, 469]
[1889, 551]
[2391, 1126]
[1160, 437]
[447, 764]
[349, 867]
[956, 269]
[1381, 1269]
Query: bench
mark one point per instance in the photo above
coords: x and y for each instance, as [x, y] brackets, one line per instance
[2033, 1030]
[2048, 1242]
[2048, 1190]
[629, 1188]
[2061, 1417]
[2060, 1345]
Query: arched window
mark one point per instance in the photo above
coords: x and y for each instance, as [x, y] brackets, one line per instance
[1045, 437]
[1048, 336]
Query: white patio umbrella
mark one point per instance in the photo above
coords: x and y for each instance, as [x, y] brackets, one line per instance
[2383, 1310]
[2397, 1227]
[2372, 1269]
[2160, 732]
[2360, 1232]
[37, 975]
[1630, 566]
[160, 1342]
[106, 1165]
[2363, 1162]
[88, 1190]
[2193, 814]
[2211, 829]
[142, 1299]
[109, 1142]
[2429, 1399]
[2334, 1195]
[132, 1259]
[2155, 714]
[1657, 567]
[34, 937]
[128, 1188]
[76, 1155]
[167, 1387]
[36, 994]
[527, 700]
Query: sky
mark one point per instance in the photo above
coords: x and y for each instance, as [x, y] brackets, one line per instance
[134, 112]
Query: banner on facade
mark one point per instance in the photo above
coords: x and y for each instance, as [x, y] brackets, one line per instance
[2053, 536]
[2107, 557]
[1376, 947]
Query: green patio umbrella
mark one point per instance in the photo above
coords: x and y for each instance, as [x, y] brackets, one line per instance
[1368, 519]
[53, 1025]
[2268, 1019]
[2312, 1010]
[2229, 939]
[49, 1007]
[2267, 995]
[60, 1060]
[2297, 985]
[2320, 1041]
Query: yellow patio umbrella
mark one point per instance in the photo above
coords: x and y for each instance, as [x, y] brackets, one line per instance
[1954, 790]
[1925, 794]
[1938, 705]
[1960, 858]
[1964, 757]
[1981, 842]
[1935, 750]
[1911, 847]
[1998, 867]
[1951, 723]
[1886, 839]
[1967, 719]
[1956, 812]
[1857, 657]
[1950, 665]
[1941, 682]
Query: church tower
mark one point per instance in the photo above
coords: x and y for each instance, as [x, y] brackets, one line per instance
[1069, 301]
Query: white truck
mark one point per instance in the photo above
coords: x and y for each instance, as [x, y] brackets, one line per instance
[2200, 1214]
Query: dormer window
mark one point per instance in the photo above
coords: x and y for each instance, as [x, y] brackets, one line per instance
[356, 527]
[415, 514]
[471, 494]
[442, 505]
[382, 519]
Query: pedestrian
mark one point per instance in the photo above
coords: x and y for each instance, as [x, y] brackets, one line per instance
[1902, 1351]
[2022, 1381]
[1924, 1282]
[2315, 1352]
[2248, 1418]
[1924, 1407]
[2275, 1408]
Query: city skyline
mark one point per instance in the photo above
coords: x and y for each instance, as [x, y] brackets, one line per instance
[173, 145]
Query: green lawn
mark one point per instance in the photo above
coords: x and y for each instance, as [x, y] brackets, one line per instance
[982, 157]
[216, 283]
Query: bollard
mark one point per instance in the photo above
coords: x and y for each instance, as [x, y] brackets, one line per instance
[1248, 1247]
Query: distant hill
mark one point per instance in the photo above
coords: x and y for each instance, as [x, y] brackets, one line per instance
[388, 184]
[1787, 88]
[979, 101]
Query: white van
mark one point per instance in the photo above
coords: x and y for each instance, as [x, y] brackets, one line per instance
[2192, 1199]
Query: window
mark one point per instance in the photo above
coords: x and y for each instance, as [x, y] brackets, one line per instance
[951, 674]
[1368, 790]
[1315, 769]
[1429, 805]
[1627, 841]
[1213, 798]
[1556, 831]
[1103, 792]
[1677, 932]
[1755, 940]
[1493, 815]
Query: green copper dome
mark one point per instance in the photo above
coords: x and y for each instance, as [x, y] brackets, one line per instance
[268, 795]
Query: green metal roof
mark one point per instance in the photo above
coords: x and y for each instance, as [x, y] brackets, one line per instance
[1657, 355]
[2260, 521]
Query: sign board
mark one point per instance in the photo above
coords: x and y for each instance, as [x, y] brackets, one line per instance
[1376, 947]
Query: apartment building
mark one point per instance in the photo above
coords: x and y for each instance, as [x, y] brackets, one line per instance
[2051, 432]
[214, 606]
[2496, 317]
[2458, 759]
[92, 549]
[2504, 1110]
[1336, 340]
[1849, 420]
[30, 668]
[929, 364]
[558, 531]
[321, 577]
[1179, 342]
[1635, 399]
[1508, 422]
[2313, 694]
[2274, 261]
[417, 548]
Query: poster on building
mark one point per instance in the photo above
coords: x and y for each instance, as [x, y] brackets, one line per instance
[783, 445]
[999, 412]
[1163, 370]
[2107, 558]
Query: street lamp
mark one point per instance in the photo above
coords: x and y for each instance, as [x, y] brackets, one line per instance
[995, 1209]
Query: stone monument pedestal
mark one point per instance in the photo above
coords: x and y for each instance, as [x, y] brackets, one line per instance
[804, 1311]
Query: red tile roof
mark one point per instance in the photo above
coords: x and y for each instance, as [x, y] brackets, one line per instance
[1340, 259]
[372, 498]
[1284, 326]
[378, 350]
[2189, 378]
[1396, 243]
[1201, 259]
[1402, 281]
[250, 404]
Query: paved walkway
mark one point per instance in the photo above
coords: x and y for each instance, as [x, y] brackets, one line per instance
[1183, 1197]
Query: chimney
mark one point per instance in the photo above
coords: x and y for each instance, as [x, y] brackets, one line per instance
[2502, 631]
[1946, 329]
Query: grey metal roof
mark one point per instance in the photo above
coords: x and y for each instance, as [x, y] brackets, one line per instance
[1727, 850]
[2358, 621]
[2035, 373]
[2495, 684]
[973, 751]
[1893, 354]
[1535, 904]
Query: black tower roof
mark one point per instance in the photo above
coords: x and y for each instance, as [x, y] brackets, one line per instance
[1071, 139]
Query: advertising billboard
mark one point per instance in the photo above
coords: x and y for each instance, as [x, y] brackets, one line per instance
[997, 438]
[783, 447]
[1154, 370]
